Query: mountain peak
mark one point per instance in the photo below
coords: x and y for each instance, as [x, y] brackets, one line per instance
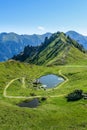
[81, 39]
[56, 50]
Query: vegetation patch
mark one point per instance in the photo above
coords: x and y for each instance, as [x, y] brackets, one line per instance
[75, 95]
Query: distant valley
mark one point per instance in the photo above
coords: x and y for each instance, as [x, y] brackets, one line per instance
[12, 44]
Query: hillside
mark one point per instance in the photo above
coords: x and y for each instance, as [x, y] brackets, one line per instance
[59, 49]
[53, 113]
[81, 39]
[12, 44]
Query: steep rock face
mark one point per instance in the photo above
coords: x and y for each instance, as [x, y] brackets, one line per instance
[78, 37]
[12, 44]
[59, 49]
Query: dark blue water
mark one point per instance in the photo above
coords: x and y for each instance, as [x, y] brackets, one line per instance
[32, 104]
[50, 81]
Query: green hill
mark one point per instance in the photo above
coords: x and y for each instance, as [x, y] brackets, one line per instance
[59, 49]
[55, 113]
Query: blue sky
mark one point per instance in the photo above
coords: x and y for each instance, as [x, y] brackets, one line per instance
[40, 16]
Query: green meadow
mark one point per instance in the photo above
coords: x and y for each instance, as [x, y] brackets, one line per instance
[55, 113]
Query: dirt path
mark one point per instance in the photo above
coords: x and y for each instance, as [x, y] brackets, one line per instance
[66, 79]
[4, 93]
[23, 82]
[23, 86]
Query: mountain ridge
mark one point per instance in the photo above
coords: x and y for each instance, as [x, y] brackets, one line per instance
[12, 44]
[56, 50]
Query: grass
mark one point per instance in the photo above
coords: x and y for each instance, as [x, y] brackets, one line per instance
[54, 113]
[60, 50]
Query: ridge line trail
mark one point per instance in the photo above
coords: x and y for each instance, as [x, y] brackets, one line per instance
[23, 86]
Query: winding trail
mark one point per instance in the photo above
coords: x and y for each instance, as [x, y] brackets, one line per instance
[23, 82]
[4, 93]
[66, 79]
[30, 97]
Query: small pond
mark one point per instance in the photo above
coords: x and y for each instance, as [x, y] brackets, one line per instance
[32, 104]
[50, 81]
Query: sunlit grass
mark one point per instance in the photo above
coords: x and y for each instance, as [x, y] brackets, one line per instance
[54, 113]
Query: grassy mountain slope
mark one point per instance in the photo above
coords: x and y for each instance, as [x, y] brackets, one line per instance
[63, 51]
[54, 113]
[59, 49]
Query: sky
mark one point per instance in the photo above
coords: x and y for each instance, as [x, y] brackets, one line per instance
[40, 16]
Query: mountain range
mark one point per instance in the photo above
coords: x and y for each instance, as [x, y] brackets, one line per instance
[81, 39]
[12, 44]
[59, 49]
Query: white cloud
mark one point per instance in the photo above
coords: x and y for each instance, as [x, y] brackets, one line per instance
[41, 28]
